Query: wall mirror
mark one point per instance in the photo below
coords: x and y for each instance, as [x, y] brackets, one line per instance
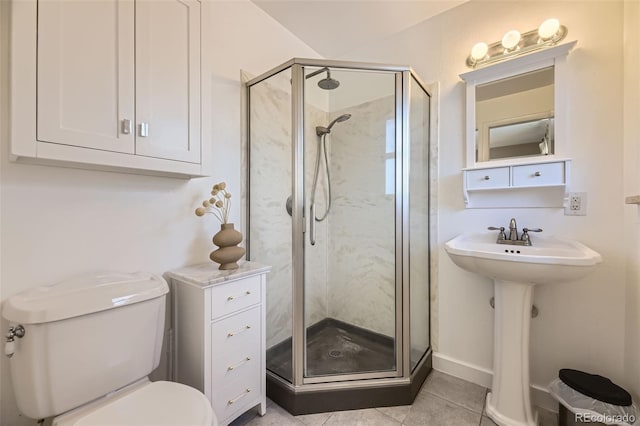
[515, 116]
[515, 110]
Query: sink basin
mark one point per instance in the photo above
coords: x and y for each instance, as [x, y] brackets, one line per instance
[549, 260]
[515, 271]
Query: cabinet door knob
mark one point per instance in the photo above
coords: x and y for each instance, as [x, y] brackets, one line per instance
[487, 177]
[125, 126]
[537, 174]
[144, 130]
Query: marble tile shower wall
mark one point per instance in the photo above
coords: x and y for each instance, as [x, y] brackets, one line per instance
[270, 160]
[361, 273]
[271, 243]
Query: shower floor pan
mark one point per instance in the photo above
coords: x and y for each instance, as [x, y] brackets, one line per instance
[335, 347]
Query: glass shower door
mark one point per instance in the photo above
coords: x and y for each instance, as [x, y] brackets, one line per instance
[269, 178]
[351, 287]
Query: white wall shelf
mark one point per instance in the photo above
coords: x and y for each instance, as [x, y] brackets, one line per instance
[533, 184]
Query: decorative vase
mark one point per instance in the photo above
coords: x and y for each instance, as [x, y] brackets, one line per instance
[229, 253]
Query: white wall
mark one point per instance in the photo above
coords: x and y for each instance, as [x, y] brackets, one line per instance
[581, 324]
[632, 187]
[58, 222]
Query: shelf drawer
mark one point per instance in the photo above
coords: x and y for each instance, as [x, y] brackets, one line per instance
[539, 174]
[236, 295]
[488, 178]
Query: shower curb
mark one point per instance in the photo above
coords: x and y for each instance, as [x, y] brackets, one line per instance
[319, 401]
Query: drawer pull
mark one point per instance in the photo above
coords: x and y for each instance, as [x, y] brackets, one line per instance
[233, 333]
[232, 367]
[487, 177]
[246, 293]
[234, 400]
[537, 174]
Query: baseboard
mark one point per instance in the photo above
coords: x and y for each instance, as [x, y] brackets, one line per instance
[481, 376]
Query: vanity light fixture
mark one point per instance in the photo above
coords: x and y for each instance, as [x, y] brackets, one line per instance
[513, 43]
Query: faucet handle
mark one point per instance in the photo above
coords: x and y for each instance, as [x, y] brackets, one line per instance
[501, 235]
[531, 229]
[525, 235]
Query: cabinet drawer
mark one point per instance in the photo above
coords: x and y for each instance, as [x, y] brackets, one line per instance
[488, 178]
[228, 298]
[235, 367]
[236, 337]
[539, 174]
[230, 397]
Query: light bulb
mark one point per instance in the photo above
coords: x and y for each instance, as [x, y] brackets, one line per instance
[479, 50]
[511, 39]
[548, 28]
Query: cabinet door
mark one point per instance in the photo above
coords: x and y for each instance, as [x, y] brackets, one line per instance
[168, 79]
[85, 77]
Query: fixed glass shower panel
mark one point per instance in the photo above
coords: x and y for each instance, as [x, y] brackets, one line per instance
[270, 226]
[350, 211]
[419, 295]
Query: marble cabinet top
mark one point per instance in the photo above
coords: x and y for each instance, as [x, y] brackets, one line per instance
[208, 274]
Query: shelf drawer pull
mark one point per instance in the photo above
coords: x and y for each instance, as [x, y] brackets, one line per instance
[246, 293]
[234, 400]
[233, 333]
[537, 174]
[487, 177]
[232, 367]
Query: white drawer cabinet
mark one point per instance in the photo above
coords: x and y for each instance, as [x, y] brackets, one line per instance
[112, 84]
[539, 184]
[219, 335]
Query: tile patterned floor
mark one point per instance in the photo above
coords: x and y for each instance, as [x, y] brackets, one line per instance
[443, 401]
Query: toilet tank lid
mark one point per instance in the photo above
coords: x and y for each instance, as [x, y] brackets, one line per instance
[84, 294]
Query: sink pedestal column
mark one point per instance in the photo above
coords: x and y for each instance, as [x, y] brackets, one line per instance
[509, 402]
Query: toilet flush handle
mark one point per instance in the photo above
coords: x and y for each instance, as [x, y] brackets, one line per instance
[10, 346]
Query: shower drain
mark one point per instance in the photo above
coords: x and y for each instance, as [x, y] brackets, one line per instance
[335, 353]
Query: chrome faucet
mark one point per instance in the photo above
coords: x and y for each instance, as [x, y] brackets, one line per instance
[513, 239]
[513, 230]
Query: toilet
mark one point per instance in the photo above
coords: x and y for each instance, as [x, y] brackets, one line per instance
[88, 345]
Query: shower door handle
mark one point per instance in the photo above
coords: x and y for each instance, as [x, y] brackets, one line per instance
[312, 225]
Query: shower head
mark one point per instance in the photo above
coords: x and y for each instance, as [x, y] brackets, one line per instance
[343, 117]
[324, 130]
[327, 83]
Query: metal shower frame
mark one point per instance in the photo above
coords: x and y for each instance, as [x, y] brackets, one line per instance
[403, 373]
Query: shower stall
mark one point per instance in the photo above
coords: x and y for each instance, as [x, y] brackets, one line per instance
[338, 196]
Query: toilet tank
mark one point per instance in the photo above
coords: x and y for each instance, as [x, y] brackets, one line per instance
[84, 338]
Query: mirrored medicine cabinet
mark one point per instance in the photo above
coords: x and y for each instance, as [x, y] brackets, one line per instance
[516, 131]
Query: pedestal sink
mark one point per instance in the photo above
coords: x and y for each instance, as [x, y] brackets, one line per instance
[515, 271]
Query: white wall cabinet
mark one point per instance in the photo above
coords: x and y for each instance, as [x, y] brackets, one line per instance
[219, 335]
[113, 84]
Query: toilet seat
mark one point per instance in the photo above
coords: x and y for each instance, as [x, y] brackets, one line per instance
[144, 404]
